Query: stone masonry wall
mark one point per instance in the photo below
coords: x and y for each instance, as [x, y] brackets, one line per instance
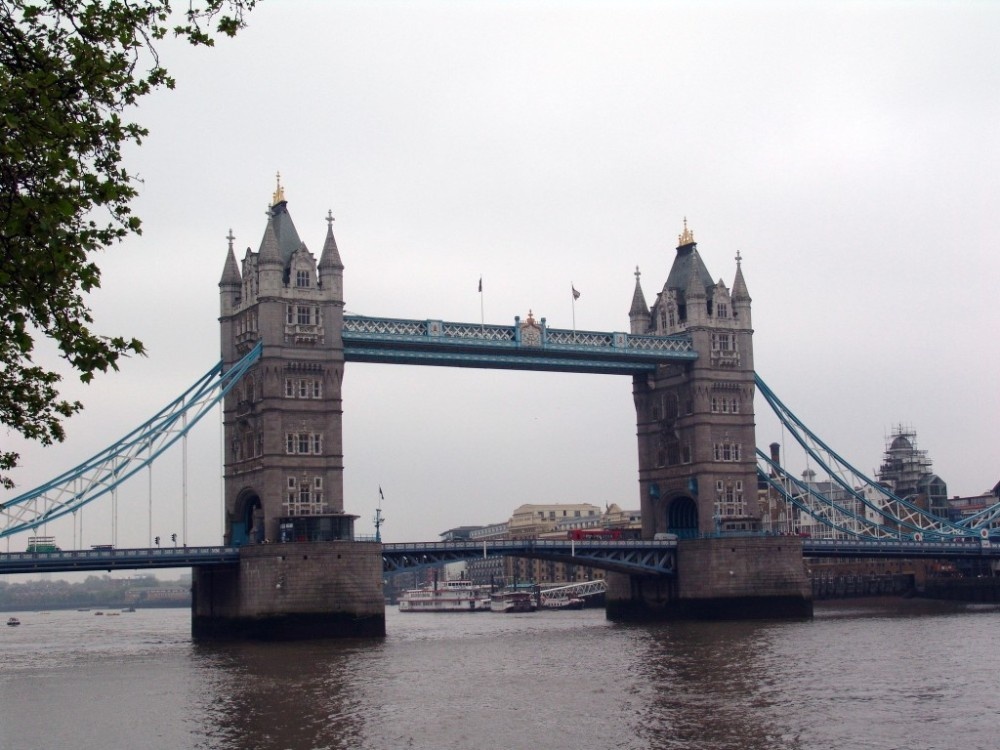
[311, 577]
[737, 567]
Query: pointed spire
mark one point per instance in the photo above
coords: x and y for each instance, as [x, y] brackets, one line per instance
[330, 257]
[638, 314]
[279, 192]
[231, 271]
[695, 283]
[639, 306]
[269, 250]
[740, 285]
[686, 237]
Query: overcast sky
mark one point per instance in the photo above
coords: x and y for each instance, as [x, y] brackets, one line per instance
[850, 152]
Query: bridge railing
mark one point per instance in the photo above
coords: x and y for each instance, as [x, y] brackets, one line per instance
[440, 332]
[120, 559]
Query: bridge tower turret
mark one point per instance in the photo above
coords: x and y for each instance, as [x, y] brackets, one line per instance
[638, 314]
[282, 423]
[283, 446]
[697, 467]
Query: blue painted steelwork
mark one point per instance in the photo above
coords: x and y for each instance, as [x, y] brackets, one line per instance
[815, 504]
[622, 556]
[646, 557]
[116, 559]
[444, 343]
[105, 471]
[881, 548]
[866, 509]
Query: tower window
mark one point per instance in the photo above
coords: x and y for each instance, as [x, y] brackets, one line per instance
[303, 388]
[722, 342]
[304, 443]
[302, 279]
[728, 452]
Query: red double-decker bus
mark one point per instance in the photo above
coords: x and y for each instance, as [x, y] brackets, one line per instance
[596, 535]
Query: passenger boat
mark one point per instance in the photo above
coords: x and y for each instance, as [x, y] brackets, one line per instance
[450, 596]
[12, 621]
[562, 602]
[512, 601]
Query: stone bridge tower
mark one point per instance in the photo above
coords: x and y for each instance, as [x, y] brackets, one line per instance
[282, 423]
[695, 421]
[300, 573]
[698, 464]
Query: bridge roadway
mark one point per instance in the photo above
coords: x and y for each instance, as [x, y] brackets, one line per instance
[649, 557]
[445, 343]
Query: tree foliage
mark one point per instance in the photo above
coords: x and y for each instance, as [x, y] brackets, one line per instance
[69, 72]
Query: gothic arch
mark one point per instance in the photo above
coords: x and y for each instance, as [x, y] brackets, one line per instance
[682, 516]
[247, 521]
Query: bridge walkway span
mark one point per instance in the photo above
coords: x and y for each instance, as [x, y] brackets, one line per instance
[630, 556]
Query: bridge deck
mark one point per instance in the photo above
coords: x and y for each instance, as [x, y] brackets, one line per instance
[623, 556]
[66, 561]
[436, 342]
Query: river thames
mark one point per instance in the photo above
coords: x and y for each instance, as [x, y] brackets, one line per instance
[903, 674]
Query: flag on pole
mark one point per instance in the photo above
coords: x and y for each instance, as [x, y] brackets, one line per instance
[380, 492]
[480, 283]
[576, 294]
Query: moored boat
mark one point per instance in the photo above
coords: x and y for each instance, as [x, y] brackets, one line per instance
[13, 621]
[512, 601]
[450, 596]
[563, 602]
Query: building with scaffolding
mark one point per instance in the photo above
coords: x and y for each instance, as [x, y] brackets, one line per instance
[906, 472]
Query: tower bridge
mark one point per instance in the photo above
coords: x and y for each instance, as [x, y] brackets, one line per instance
[286, 342]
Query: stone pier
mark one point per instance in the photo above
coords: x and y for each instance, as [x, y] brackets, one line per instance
[292, 591]
[726, 578]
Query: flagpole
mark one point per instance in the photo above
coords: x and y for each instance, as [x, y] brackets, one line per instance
[482, 314]
[379, 520]
[572, 296]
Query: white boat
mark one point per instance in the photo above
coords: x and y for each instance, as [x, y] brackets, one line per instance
[449, 596]
[512, 601]
[563, 602]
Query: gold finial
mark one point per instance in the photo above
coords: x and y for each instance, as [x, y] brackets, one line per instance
[686, 237]
[279, 192]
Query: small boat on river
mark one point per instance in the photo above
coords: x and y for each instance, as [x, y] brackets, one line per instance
[13, 621]
[563, 602]
[512, 601]
[450, 596]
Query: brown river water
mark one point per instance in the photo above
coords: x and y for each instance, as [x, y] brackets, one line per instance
[905, 675]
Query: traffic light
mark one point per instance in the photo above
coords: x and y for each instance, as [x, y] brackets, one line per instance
[173, 538]
[157, 540]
